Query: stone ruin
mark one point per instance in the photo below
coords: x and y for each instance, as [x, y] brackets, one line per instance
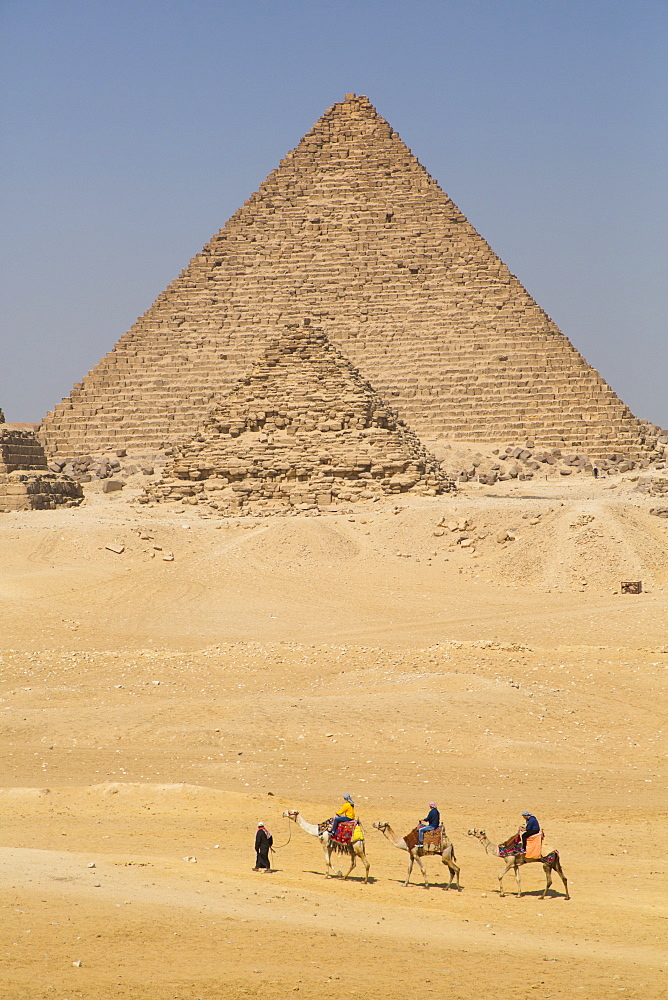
[20, 449]
[525, 461]
[302, 430]
[352, 231]
[25, 480]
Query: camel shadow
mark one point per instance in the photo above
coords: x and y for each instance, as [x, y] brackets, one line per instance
[535, 894]
[445, 886]
[340, 878]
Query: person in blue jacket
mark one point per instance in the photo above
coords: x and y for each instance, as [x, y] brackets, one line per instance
[531, 826]
[432, 822]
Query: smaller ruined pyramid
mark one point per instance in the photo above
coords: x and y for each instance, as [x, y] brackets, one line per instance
[303, 429]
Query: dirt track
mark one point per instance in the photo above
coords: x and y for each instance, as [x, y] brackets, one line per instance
[167, 706]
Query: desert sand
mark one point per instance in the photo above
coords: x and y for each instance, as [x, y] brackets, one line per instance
[154, 710]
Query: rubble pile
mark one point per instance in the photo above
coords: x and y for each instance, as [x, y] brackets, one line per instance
[526, 462]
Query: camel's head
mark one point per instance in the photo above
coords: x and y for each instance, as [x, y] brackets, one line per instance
[291, 814]
[381, 826]
[476, 833]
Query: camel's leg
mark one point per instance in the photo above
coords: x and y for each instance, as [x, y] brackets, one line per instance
[505, 871]
[328, 860]
[411, 859]
[366, 864]
[558, 869]
[353, 860]
[454, 868]
[519, 883]
[548, 879]
[422, 869]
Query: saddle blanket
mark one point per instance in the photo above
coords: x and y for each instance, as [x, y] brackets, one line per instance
[347, 832]
[511, 846]
[432, 840]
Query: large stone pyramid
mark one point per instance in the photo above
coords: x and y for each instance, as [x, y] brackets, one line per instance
[301, 429]
[352, 232]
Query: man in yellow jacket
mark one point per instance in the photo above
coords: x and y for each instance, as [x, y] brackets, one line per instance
[347, 811]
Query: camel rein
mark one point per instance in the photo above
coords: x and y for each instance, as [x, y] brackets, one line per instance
[289, 837]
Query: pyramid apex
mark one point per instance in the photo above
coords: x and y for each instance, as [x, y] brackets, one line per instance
[356, 100]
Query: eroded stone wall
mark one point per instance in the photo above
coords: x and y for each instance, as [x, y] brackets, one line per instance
[24, 490]
[20, 449]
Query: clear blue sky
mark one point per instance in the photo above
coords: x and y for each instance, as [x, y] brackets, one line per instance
[132, 129]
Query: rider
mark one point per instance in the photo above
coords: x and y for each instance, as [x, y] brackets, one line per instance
[346, 812]
[531, 827]
[432, 822]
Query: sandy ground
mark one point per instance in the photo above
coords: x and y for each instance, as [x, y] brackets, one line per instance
[152, 711]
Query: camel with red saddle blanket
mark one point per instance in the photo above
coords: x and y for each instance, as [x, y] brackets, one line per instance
[436, 843]
[349, 840]
[511, 852]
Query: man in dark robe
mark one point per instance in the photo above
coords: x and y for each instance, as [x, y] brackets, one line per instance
[263, 842]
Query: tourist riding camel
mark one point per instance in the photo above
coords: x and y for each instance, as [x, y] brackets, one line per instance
[432, 822]
[514, 855]
[345, 813]
[353, 846]
[441, 846]
[530, 831]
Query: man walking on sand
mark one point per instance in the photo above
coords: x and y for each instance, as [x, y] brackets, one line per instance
[263, 843]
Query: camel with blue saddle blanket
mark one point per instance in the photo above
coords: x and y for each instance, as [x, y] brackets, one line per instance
[436, 842]
[349, 840]
[512, 852]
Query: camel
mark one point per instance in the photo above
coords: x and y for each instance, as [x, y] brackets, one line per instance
[446, 854]
[354, 851]
[550, 863]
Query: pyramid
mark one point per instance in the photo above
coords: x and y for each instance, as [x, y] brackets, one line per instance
[351, 232]
[301, 429]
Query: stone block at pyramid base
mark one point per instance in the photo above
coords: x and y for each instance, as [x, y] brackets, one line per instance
[303, 430]
[26, 490]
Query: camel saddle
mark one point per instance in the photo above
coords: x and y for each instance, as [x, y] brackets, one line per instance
[432, 842]
[514, 846]
[344, 831]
